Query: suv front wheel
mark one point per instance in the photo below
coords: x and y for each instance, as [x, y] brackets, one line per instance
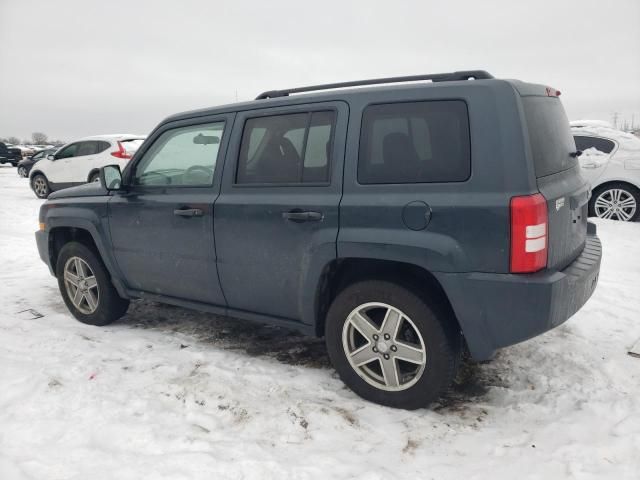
[86, 287]
[389, 346]
[40, 186]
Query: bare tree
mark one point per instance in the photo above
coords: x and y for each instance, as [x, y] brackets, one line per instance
[13, 140]
[39, 138]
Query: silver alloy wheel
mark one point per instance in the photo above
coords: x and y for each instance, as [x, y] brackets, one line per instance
[22, 171]
[81, 285]
[615, 204]
[40, 186]
[389, 353]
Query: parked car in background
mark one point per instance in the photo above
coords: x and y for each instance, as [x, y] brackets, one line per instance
[404, 223]
[79, 162]
[25, 165]
[610, 161]
[9, 154]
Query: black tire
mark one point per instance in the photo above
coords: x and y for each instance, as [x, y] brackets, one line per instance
[42, 190]
[110, 306]
[442, 342]
[94, 177]
[627, 188]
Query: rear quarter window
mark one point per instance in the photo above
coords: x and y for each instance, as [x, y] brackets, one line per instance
[549, 135]
[415, 142]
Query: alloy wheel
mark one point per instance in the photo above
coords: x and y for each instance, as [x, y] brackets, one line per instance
[615, 204]
[384, 347]
[40, 186]
[22, 171]
[81, 285]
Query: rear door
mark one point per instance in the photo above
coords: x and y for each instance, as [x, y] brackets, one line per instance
[558, 176]
[277, 213]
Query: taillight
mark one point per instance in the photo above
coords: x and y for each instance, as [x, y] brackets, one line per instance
[121, 152]
[529, 225]
[552, 92]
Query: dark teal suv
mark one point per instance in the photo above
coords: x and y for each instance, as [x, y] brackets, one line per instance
[405, 222]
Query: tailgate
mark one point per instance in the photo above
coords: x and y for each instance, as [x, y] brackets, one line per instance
[558, 177]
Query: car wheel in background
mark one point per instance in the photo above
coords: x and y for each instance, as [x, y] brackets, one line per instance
[86, 286]
[94, 177]
[390, 346]
[616, 201]
[40, 186]
[22, 172]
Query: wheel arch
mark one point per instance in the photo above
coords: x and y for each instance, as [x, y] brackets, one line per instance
[92, 173]
[342, 272]
[84, 232]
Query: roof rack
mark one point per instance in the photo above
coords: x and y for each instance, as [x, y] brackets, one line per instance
[434, 77]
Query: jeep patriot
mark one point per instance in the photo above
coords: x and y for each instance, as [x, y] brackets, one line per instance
[407, 221]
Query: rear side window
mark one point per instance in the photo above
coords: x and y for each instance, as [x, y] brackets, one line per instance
[101, 146]
[600, 144]
[290, 148]
[417, 142]
[549, 135]
[86, 148]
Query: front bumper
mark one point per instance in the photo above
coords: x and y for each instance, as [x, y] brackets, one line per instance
[42, 241]
[498, 310]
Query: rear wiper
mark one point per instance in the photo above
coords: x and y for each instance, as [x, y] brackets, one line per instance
[576, 154]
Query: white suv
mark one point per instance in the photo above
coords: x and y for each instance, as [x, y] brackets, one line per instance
[610, 161]
[79, 162]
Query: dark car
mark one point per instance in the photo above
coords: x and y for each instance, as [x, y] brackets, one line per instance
[9, 154]
[24, 166]
[405, 223]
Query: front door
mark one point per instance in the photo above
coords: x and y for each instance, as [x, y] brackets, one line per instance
[277, 214]
[162, 222]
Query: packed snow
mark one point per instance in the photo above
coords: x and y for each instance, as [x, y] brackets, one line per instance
[167, 393]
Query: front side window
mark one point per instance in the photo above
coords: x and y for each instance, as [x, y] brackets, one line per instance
[602, 145]
[289, 148]
[416, 142]
[67, 152]
[184, 156]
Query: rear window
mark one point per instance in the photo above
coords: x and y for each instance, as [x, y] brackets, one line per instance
[600, 144]
[417, 142]
[549, 135]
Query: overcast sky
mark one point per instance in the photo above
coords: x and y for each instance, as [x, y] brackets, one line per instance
[72, 68]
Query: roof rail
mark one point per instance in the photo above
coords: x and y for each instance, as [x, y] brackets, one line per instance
[434, 77]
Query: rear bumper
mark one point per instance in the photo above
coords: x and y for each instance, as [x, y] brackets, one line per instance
[498, 310]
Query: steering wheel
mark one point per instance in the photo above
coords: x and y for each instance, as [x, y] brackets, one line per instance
[208, 171]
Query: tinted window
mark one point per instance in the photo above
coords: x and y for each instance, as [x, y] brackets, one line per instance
[415, 142]
[38, 155]
[292, 148]
[549, 135]
[184, 156]
[86, 148]
[600, 144]
[101, 146]
[67, 152]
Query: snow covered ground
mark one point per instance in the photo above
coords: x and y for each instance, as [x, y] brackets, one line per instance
[167, 393]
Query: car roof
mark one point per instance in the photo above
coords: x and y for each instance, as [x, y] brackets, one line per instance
[347, 93]
[113, 136]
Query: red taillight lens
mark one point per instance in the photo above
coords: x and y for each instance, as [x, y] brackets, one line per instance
[529, 225]
[121, 152]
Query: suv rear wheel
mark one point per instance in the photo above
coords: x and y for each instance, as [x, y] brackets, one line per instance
[40, 185]
[389, 346]
[86, 287]
[616, 201]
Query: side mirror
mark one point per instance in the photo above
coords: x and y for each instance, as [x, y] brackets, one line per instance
[51, 156]
[111, 177]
